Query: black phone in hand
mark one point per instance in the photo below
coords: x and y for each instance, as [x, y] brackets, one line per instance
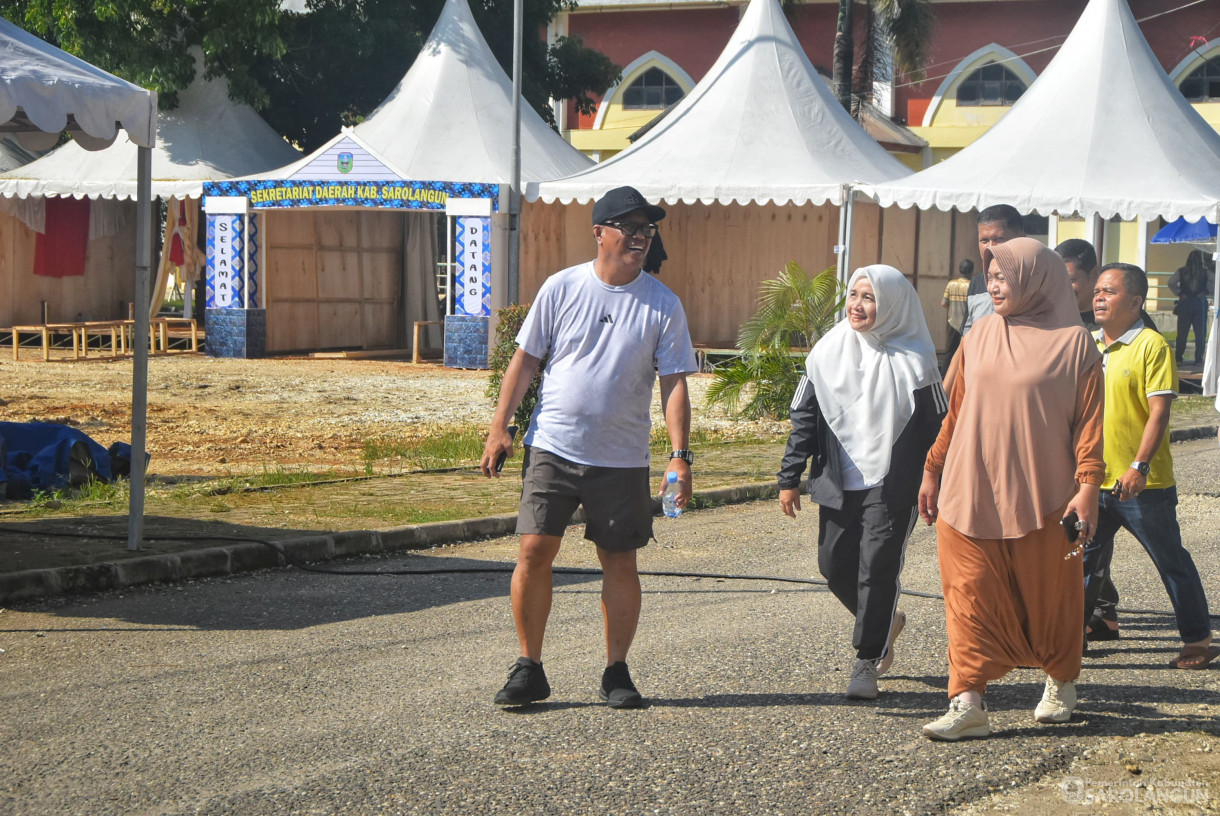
[1069, 527]
[512, 434]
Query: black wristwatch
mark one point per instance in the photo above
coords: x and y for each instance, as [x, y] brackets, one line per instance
[683, 454]
[1142, 467]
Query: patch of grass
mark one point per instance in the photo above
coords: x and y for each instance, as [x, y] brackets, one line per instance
[1193, 410]
[449, 449]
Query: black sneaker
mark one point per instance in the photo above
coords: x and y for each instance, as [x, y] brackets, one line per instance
[526, 684]
[617, 689]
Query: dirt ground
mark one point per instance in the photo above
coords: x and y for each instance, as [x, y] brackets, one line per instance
[209, 416]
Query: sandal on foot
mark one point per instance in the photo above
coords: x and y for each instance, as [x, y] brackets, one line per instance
[1097, 629]
[1195, 657]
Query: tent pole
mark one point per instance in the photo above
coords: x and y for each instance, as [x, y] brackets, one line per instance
[514, 215]
[849, 209]
[1211, 365]
[842, 236]
[139, 386]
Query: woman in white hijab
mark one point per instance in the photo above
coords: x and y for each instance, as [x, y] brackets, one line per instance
[866, 412]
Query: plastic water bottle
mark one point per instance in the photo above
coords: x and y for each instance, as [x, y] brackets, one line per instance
[669, 499]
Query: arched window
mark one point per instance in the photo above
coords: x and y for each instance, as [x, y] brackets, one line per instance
[654, 90]
[993, 84]
[1203, 83]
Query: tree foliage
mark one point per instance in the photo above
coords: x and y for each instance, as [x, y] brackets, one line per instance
[794, 311]
[312, 72]
[904, 25]
[147, 41]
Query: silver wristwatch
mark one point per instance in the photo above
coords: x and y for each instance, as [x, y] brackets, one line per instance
[683, 454]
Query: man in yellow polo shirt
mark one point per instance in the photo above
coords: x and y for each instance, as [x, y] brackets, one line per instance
[1139, 492]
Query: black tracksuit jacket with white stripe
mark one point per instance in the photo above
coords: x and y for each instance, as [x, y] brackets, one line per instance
[811, 442]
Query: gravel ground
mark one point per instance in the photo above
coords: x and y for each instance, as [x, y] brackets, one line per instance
[289, 692]
[210, 416]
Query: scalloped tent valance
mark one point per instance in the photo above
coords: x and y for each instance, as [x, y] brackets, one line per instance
[1102, 131]
[208, 137]
[44, 91]
[761, 127]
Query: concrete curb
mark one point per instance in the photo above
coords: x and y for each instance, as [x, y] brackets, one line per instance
[211, 562]
[32, 585]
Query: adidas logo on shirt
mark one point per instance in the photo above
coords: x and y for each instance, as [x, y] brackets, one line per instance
[607, 319]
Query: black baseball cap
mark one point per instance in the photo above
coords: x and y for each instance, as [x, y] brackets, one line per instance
[622, 200]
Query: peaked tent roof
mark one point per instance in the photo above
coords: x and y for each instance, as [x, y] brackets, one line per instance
[207, 137]
[761, 126]
[450, 118]
[13, 155]
[1102, 131]
[45, 89]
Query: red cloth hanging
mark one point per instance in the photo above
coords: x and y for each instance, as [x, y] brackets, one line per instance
[177, 252]
[60, 251]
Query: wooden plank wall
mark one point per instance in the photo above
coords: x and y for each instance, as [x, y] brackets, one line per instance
[102, 293]
[334, 279]
[718, 255]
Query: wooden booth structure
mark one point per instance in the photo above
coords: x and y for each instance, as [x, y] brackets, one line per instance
[719, 254]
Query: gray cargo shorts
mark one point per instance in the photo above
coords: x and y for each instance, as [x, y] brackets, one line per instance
[617, 501]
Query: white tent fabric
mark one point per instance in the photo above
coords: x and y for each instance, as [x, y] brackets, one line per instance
[42, 86]
[208, 137]
[1102, 131]
[450, 118]
[45, 89]
[760, 127]
[13, 155]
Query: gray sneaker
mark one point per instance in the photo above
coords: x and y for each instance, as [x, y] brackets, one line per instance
[863, 685]
[964, 720]
[1057, 703]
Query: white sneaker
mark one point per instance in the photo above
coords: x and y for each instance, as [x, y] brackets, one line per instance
[1058, 702]
[863, 685]
[964, 720]
[900, 620]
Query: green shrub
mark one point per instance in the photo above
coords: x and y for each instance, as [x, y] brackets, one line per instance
[510, 320]
[794, 311]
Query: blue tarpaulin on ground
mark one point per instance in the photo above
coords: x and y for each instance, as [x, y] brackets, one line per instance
[45, 456]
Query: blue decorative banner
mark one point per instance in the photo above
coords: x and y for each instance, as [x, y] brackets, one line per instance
[227, 256]
[473, 274]
[403, 195]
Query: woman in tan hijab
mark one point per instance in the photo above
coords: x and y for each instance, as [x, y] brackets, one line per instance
[1019, 452]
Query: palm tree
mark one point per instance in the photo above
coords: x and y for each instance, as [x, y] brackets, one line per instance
[906, 24]
[795, 310]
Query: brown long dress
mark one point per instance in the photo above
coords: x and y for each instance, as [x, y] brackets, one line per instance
[1024, 430]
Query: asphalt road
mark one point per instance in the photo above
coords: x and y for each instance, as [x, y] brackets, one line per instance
[287, 692]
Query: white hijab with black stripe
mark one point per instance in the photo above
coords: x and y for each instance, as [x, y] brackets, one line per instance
[865, 382]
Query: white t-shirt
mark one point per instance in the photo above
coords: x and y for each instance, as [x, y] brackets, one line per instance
[605, 346]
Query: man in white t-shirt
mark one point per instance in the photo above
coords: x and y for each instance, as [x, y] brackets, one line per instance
[607, 329]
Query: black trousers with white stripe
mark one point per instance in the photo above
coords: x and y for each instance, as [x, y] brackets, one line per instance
[861, 548]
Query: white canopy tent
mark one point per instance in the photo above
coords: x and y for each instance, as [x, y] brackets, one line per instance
[13, 155]
[760, 127]
[206, 138]
[450, 117]
[448, 121]
[44, 91]
[1103, 131]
